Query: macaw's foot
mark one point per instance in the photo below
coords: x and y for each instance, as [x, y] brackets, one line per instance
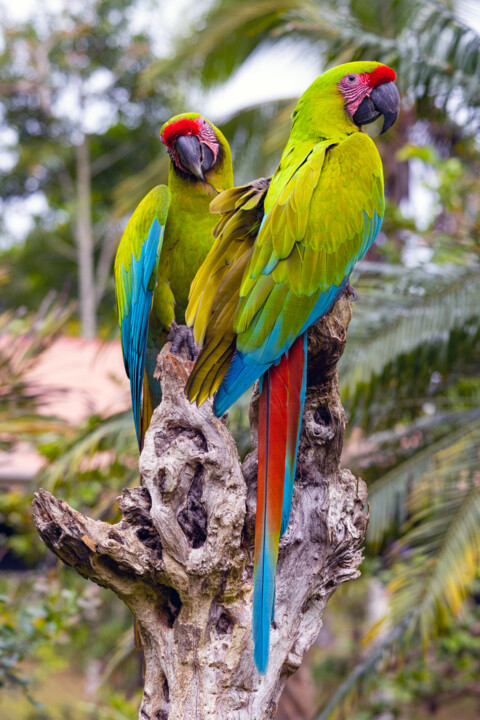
[351, 292]
[182, 335]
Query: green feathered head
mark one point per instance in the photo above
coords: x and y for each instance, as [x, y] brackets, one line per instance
[196, 147]
[346, 97]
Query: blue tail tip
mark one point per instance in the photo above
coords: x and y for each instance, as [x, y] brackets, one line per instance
[260, 656]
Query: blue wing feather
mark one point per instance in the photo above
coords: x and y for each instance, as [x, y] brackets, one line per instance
[134, 329]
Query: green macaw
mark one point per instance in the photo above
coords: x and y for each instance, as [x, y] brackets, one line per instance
[283, 254]
[164, 244]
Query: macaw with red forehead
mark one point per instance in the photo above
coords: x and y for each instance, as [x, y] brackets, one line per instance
[283, 254]
[164, 244]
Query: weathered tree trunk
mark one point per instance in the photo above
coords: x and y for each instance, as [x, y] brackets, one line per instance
[182, 556]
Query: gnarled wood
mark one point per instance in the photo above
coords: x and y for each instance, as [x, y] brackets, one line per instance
[182, 556]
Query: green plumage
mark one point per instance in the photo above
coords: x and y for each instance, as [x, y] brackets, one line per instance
[311, 237]
[281, 259]
[321, 212]
[184, 239]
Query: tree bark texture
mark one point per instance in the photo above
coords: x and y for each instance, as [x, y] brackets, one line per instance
[182, 556]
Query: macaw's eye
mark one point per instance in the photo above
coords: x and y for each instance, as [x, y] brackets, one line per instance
[351, 78]
[207, 157]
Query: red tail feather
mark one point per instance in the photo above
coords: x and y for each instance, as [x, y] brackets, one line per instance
[296, 361]
[272, 442]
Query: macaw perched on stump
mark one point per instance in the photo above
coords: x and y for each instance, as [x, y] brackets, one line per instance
[164, 244]
[283, 254]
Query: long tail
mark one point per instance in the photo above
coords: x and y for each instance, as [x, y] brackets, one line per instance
[297, 383]
[272, 440]
[280, 418]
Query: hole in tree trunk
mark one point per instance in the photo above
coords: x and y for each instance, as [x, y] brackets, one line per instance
[224, 624]
[220, 619]
[149, 537]
[193, 518]
[197, 437]
[168, 605]
[322, 415]
[166, 691]
[162, 440]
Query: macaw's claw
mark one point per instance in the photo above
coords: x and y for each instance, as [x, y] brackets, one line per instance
[351, 292]
[182, 335]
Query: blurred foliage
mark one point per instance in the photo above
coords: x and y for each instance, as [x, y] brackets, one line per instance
[436, 54]
[432, 684]
[50, 619]
[22, 340]
[71, 77]
[49, 623]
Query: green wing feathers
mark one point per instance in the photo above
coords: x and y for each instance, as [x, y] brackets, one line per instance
[135, 271]
[313, 234]
[153, 206]
[315, 227]
[214, 293]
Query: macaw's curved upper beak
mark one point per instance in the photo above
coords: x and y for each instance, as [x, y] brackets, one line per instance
[190, 155]
[384, 100]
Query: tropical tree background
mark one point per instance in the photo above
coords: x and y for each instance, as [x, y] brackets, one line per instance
[85, 89]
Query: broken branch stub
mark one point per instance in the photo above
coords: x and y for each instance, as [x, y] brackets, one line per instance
[182, 556]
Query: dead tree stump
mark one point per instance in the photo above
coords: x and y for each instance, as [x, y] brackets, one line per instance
[182, 556]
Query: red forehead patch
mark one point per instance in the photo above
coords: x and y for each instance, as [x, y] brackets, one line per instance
[180, 127]
[382, 74]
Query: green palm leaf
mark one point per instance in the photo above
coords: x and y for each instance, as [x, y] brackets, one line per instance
[444, 536]
[434, 51]
[244, 24]
[388, 497]
[392, 321]
[437, 558]
[363, 671]
[113, 438]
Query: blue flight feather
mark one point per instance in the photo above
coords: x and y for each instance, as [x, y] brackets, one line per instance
[237, 380]
[134, 330]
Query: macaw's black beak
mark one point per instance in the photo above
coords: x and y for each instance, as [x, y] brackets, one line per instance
[190, 155]
[384, 100]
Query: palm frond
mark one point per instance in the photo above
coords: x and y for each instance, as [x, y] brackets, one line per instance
[414, 311]
[452, 46]
[437, 558]
[444, 537]
[22, 340]
[388, 497]
[247, 25]
[434, 51]
[99, 444]
[363, 671]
